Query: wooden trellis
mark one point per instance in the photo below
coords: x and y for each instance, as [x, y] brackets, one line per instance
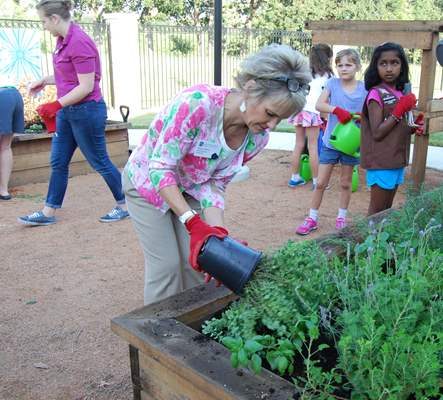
[423, 35]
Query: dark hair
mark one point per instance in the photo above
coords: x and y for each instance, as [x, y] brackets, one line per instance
[371, 74]
[320, 59]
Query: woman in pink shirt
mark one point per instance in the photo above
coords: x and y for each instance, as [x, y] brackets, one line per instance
[176, 178]
[78, 116]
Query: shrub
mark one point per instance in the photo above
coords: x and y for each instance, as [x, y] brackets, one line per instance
[180, 45]
[236, 47]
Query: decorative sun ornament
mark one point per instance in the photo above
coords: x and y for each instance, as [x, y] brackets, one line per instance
[20, 54]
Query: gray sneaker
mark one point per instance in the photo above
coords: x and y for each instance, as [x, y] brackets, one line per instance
[116, 214]
[36, 219]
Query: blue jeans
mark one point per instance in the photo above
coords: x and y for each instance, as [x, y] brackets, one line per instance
[81, 125]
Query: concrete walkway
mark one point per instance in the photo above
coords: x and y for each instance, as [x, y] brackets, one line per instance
[286, 141]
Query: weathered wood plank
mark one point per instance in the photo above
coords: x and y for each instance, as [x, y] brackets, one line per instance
[41, 159]
[135, 372]
[382, 26]
[426, 91]
[435, 125]
[41, 142]
[419, 40]
[435, 105]
[164, 381]
[180, 353]
[119, 128]
[36, 175]
[31, 155]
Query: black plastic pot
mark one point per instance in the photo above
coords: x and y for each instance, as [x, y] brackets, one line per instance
[229, 261]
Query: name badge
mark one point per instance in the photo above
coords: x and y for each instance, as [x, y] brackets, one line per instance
[207, 149]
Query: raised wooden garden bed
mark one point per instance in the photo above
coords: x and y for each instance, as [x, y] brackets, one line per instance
[170, 359]
[32, 151]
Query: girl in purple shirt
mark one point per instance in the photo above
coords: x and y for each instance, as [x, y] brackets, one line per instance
[78, 116]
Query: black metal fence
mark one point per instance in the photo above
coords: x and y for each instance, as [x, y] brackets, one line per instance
[174, 57]
[98, 32]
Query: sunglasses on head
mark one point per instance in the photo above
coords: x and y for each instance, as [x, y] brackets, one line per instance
[292, 84]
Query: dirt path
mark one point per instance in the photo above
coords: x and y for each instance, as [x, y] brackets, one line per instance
[60, 285]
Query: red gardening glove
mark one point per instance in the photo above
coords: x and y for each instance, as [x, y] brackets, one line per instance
[49, 123]
[405, 103]
[200, 231]
[49, 109]
[343, 115]
[419, 130]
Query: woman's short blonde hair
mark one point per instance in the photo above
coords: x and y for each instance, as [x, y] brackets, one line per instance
[281, 62]
[352, 54]
[55, 7]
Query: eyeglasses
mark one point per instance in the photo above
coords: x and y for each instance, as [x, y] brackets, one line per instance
[293, 85]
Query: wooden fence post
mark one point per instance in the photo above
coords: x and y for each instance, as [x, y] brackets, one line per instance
[427, 81]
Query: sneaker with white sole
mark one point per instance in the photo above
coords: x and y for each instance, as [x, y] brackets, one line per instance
[340, 223]
[37, 219]
[307, 226]
[293, 183]
[116, 214]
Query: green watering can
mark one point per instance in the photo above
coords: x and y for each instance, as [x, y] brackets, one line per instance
[346, 137]
[305, 168]
[355, 179]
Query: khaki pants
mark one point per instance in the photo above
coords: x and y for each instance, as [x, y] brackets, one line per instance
[165, 244]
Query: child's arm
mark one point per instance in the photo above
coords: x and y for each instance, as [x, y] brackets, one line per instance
[379, 127]
[323, 105]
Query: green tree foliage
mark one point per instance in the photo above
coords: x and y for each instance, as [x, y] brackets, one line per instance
[292, 14]
[270, 14]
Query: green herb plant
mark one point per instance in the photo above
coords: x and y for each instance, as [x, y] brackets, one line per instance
[364, 324]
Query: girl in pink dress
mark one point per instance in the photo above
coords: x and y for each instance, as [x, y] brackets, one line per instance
[308, 122]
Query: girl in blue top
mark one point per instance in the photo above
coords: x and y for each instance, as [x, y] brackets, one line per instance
[341, 97]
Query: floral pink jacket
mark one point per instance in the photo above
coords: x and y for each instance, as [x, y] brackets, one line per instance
[166, 156]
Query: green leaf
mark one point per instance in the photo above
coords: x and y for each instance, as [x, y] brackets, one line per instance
[282, 364]
[285, 344]
[323, 346]
[314, 332]
[233, 344]
[266, 340]
[298, 345]
[256, 363]
[252, 346]
[384, 236]
[243, 357]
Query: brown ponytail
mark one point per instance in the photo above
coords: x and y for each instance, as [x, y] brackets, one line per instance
[55, 7]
